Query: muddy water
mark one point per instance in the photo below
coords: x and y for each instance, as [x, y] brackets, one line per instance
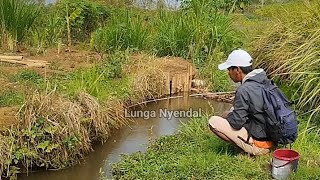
[132, 139]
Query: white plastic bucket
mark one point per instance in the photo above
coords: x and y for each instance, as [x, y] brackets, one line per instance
[284, 161]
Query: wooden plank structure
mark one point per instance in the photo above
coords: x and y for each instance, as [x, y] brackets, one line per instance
[178, 76]
[22, 61]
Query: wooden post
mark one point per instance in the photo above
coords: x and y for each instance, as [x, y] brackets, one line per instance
[19, 58]
[190, 73]
[68, 29]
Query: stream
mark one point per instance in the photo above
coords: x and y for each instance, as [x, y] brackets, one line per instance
[134, 138]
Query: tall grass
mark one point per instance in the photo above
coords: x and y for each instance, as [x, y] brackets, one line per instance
[199, 32]
[193, 32]
[49, 30]
[17, 18]
[124, 30]
[173, 34]
[290, 51]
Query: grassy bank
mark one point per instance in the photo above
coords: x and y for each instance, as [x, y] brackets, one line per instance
[195, 153]
[288, 50]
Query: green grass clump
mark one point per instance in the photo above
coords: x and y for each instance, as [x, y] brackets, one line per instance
[28, 76]
[17, 18]
[94, 82]
[106, 80]
[29, 79]
[126, 29]
[195, 153]
[11, 98]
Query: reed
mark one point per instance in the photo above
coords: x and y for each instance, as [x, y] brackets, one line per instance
[125, 30]
[17, 18]
[191, 32]
[289, 50]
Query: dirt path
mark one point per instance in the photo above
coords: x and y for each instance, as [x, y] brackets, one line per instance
[8, 116]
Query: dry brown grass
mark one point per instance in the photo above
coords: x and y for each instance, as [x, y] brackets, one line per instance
[101, 119]
[54, 122]
[5, 153]
[55, 132]
[151, 75]
[148, 82]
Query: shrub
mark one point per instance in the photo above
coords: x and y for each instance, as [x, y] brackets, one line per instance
[85, 17]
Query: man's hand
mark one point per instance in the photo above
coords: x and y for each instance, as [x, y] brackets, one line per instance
[225, 114]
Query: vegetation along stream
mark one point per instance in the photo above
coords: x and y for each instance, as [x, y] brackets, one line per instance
[68, 68]
[133, 138]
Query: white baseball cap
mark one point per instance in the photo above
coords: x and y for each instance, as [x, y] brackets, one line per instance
[238, 58]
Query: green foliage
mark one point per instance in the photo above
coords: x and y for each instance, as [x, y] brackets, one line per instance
[40, 137]
[193, 32]
[72, 142]
[218, 80]
[17, 18]
[228, 6]
[125, 30]
[85, 16]
[103, 81]
[90, 80]
[29, 77]
[11, 98]
[174, 35]
[196, 153]
[49, 29]
[114, 65]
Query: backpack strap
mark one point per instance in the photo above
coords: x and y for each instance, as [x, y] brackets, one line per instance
[249, 136]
